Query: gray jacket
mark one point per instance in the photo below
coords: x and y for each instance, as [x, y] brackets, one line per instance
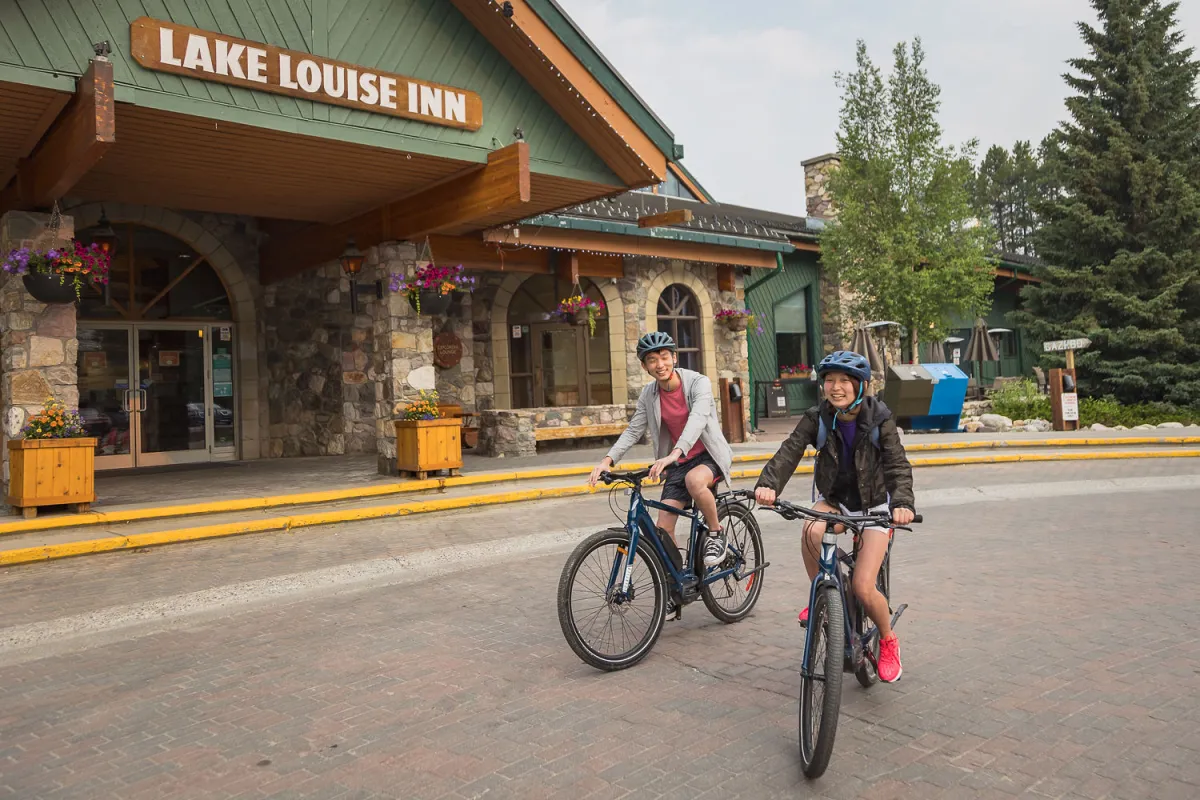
[702, 425]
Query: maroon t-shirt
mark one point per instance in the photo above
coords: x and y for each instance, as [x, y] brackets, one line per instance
[674, 408]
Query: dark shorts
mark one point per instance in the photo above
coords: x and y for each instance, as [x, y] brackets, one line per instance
[674, 487]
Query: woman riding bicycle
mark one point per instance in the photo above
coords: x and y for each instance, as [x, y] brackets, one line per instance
[861, 468]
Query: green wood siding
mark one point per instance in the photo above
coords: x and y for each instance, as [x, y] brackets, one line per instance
[426, 39]
[801, 273]
[1018, 356]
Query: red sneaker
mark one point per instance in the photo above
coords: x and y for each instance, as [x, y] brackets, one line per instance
[804, 617]
[889, 669]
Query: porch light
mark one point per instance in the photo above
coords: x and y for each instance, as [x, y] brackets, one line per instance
[352, 264]
[105, 237]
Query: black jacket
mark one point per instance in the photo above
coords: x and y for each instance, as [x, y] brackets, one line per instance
[880, 472]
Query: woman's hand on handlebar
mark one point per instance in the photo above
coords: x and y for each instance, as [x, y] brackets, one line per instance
[903, 516]
[604, 465]
[764, 496]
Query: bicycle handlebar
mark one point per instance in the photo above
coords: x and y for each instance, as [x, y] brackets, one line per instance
[635, 478]
[791, 511]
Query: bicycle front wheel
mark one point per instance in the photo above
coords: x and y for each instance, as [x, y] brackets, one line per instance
[821, 689]
[605, 628]
[729, 599]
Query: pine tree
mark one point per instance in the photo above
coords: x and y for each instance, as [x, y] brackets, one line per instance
[1121, 225]
[905, 240]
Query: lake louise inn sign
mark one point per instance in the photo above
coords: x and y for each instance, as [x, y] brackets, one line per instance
[178, 49]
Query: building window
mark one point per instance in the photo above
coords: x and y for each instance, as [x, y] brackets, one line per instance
[554, 362]
[679, 315]
[791, 331]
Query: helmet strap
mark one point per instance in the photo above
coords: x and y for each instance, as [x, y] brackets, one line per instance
[862, 387]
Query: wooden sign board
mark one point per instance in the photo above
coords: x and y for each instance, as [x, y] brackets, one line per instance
[203, 55]
[1063, 345]
[447, 350]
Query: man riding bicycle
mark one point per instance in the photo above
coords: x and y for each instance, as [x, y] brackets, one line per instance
[677, 408]
[861, 468]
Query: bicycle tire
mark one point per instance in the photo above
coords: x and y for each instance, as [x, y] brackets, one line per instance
[611, 661]
[751, 540]
[826, 623]
[866, 674]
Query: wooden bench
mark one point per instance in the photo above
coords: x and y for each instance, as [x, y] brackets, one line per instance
[578, 431]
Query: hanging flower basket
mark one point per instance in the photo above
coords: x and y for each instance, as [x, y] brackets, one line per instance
[581, 310]
[431, 289]
[736, 320]
[48, 288]
[58, 274]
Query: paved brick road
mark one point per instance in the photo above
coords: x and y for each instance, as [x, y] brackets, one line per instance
[1051, 650]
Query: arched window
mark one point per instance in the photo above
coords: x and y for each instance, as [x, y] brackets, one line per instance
[679, 315]
[554, 362]
[155, 276]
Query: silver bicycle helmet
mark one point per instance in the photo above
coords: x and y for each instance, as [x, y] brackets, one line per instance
[653, 342]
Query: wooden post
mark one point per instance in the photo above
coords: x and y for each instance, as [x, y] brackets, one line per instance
[1071, 362]
[733, 419]
[1056, 393]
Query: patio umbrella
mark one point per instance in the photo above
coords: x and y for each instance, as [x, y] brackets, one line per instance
[864, 344]
[981, 347]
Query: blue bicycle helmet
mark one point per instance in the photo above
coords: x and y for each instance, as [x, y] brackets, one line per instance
[653, 342]
[853, 364]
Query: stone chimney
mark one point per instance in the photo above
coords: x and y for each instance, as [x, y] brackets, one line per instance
[816, 185]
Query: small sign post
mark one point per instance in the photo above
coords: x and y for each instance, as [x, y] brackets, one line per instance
[1064, 400]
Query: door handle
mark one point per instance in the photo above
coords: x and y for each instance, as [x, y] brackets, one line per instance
[127, 401]
[143, 399]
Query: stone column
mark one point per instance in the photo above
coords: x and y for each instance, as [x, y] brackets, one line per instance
[39, 351]
[836, 298]
[818, 200]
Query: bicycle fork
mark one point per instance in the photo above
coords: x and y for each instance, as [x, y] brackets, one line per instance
[826, 577]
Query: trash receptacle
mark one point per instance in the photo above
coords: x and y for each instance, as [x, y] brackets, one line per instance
[949, 395]
[908, 391]
[777, 401]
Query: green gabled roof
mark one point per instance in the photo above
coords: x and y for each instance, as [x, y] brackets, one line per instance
[590, 56]
[669, 234]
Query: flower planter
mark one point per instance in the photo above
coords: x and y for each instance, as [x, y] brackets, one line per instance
[736, 324]
[51, 472]
[427, 445]
[432, 303]
[47, 288]
[580, 318]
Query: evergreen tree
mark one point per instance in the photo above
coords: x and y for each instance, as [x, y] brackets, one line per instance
[1121, 225]
[906, 241]
[1006, 190]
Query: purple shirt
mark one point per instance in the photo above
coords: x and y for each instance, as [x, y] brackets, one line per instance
[848, 430]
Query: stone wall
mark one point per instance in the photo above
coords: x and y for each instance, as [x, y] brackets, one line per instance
[38, 350]
[317, 360]
[507, 434]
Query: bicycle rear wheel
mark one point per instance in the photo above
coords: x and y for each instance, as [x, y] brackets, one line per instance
[821, 690]
[866, 674]
[606, 630]
[729, 599]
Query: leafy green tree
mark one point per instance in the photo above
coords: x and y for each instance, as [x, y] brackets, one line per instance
[906, 240]
[1120, 225]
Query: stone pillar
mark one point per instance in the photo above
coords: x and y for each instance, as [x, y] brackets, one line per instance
[38, 359]
[818, 201]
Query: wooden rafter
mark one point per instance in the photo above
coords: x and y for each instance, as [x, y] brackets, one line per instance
[620, 244]
[499, 186]
[680, 216]
[76, 140]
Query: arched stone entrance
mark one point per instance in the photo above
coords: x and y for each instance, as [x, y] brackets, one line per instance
[238, 287]
[501, 333]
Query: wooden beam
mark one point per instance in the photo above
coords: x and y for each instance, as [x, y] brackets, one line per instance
[500, 186]
[726, 279]
[474, 253]
[621, 244]
[78, 138]
[566, 267]
[679, 216]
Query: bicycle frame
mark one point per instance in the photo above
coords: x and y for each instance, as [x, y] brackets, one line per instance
[639, 523]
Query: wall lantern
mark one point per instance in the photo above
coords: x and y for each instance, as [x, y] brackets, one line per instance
[352, 264]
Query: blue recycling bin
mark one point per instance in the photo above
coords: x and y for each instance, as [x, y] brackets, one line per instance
[946, 405]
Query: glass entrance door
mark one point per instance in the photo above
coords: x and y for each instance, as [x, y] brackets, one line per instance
[158, 395]
[558, 364]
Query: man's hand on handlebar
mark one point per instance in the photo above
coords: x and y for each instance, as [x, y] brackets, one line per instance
[764, 496]
[604, 465]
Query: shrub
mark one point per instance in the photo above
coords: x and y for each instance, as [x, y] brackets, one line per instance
[1020, 400]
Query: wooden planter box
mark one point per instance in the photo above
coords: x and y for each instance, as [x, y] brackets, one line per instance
[424, 446]
[51, 472]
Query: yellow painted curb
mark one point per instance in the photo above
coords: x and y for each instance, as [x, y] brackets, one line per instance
[441, 484]
[92, 546]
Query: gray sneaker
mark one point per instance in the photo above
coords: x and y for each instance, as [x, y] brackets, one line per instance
[715, 549]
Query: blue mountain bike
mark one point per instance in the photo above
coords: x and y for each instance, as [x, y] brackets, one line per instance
[619, 584]
[840, 637]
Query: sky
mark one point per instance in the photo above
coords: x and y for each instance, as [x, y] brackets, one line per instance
[748, 87]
